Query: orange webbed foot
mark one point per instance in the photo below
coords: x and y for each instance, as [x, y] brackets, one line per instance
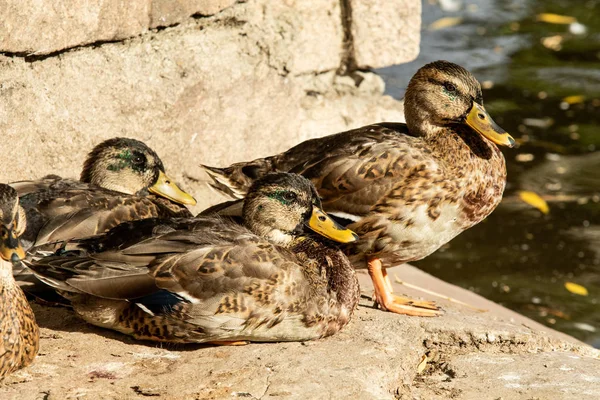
[393, 303]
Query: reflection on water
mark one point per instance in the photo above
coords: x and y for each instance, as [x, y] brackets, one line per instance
[542, 84]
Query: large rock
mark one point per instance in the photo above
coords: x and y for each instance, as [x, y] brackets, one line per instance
[384, 32]
[170, 12]
[242, 84]
[37, 27]
[471, 355]
[305, 28]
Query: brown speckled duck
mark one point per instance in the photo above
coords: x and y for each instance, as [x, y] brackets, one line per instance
[406, 189]
[19, 333]
[122, 180]
[209, 279]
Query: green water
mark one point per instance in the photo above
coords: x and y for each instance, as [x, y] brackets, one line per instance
[518, 256]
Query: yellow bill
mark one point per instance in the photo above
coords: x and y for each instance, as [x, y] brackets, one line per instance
[165, 187]
[10, 246]
[322, 224]
[480, 121]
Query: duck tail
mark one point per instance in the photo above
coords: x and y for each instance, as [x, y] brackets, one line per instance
[235, 180]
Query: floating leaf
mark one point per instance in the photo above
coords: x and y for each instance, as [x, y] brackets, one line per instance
[524, 157]
[534, 200]
[553, 42]
[576, 289]
[445, 22]
[556, 19]
[422, 364]
[576, 99]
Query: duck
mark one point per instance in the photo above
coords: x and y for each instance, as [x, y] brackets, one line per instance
[405, 188]
[19, 332]
[122, 179]
[276, 276]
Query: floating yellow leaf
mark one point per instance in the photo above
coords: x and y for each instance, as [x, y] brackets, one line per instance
[574, 99]
[422, 364]
[534, 200]
[445, 22]
[556, 19]
[575, 288]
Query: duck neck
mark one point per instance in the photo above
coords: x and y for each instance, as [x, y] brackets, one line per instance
[343, 280]
[262, 226]
[461, 147]
[6, 271]
[328, 268]
[475, 165]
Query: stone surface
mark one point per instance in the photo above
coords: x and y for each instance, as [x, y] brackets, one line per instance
[44, 26]
[384, 32]
[213, 90]
[471, 356]
[40, 27]
[170, 12]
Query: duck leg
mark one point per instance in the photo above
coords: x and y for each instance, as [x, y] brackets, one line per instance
[406, 300]
[396, 304]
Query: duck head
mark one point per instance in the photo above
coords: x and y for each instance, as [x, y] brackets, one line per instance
[443, 94]
[12, 225]
[129, 166]
[280, 206]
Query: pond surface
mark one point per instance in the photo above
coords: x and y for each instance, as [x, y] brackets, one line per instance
[541, 78]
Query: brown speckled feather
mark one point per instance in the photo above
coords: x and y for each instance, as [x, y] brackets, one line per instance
[215, 281]
[19, 333]
[406, 189]
[62, 209]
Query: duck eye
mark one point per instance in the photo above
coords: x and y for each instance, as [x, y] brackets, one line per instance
[138, 159]
[449, 87]
[289, 196]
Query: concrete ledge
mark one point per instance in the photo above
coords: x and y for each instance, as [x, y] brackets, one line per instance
[471, 356]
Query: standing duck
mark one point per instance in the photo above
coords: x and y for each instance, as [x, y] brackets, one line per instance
[19, 333]
[211, 279]
[405, 189]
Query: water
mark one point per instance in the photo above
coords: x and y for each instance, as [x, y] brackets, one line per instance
[519, 257]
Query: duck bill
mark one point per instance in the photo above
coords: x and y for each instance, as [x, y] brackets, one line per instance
[322, 224]
[165, 187]
[481, 122]
[10, 248]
